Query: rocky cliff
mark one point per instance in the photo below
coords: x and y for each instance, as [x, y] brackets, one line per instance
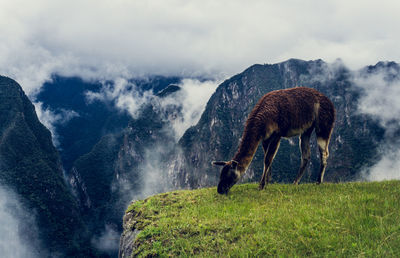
[217, 134]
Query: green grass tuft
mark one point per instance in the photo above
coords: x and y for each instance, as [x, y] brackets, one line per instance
[328, 220]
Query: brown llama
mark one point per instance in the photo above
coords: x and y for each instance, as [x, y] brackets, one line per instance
[281, 113]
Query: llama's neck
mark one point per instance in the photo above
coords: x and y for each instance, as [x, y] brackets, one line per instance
[247, 149]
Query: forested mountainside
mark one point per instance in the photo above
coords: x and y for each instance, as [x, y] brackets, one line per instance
[119, 168]
[90, 120]
[31, 167]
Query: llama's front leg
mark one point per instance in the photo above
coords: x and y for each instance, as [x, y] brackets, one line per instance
[270, 146]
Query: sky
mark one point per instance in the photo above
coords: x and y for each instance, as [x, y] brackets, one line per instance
[108, 39]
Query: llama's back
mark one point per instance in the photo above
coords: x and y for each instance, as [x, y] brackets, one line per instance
[294, 109]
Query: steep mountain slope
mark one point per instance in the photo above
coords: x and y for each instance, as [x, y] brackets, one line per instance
[30, 165]
[125, 166]
[90, 120]
[216, 136]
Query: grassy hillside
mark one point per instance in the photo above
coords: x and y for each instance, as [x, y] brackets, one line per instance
[351, 219]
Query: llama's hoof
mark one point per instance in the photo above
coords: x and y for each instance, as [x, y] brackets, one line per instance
[295, 183]
[261, 187]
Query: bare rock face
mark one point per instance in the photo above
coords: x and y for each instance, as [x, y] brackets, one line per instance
[128, 236]
[217, 134]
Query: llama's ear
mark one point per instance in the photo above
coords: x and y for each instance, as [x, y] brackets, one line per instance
[234, 164]
[218, 163]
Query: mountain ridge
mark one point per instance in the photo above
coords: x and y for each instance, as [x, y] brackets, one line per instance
[30, 166]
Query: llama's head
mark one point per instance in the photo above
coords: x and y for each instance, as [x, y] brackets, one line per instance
[229, 175]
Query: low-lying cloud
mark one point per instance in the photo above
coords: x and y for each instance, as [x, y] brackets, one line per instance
[50, 119]
[123, 93]
[108, 241]
[193, 98]
[381, 92]
[17, 229]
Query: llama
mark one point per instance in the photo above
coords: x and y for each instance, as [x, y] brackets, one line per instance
[281, 113]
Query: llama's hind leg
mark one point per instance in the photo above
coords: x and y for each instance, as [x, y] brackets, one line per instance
[324, 154]
[270, 147]
[305, 153]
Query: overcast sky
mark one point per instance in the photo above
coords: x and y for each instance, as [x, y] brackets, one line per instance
[124, 38]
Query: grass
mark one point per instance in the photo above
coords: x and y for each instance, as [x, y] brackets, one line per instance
[329, 220]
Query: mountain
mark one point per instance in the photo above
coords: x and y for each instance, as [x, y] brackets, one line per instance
[31, 167]
[354, 141]
[121, 167]
[90, 120]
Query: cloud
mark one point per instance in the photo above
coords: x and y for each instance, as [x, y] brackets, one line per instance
[381, 92]
[381, 96]
[108, 241]
[193, 98]
[110, 39]
[17, 229]
[386, 169]
[50, 119]
[124, 94]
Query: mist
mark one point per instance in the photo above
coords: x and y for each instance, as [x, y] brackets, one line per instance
[179, 110]
[108, 241]
[127, 97]
[19, 238]
[192, 98]
[51, 119]
[381, 92]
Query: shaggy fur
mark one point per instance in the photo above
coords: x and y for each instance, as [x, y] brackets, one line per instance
[282, 113]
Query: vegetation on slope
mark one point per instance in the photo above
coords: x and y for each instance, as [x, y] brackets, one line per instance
[30, 166]
[350, 219]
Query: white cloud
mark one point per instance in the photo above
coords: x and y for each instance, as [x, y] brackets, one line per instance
[108, 241]
[110, 39]
[50, 119]
[381, 92]
[14, 219]
[388, 167]
[380, 97]
[124, 94]
[193, 98]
